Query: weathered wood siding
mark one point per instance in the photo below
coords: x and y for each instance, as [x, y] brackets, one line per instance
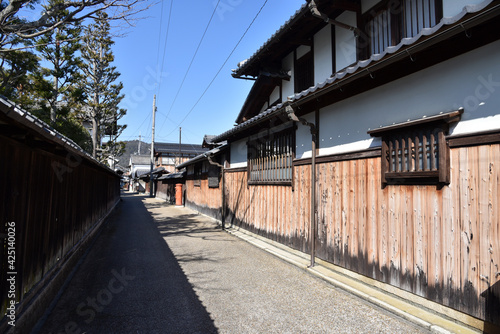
[270, 211]
[203, 198]
[166, 190]
[442, 244]
[54, 200]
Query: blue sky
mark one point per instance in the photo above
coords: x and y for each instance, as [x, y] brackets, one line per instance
[139, 59]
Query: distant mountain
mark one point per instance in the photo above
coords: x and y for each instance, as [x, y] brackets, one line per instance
[132, 147]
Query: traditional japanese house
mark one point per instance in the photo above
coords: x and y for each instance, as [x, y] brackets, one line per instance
[169, 155]
[204, 181]
[371, 140]
[139, 165]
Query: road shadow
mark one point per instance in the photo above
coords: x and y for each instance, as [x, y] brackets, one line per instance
[191, 225]
[129, 282]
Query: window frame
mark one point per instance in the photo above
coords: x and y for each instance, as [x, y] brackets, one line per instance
[303, 67]
[402, 142]
[213, 176]
[258, 172]
[397, 26]
[197, 174]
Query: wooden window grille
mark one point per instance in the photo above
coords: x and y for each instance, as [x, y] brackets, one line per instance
[419, 14]
[197, 175]
[391, 21]
[270, 159]
[213, 176]
[383, 31]
[416, 151]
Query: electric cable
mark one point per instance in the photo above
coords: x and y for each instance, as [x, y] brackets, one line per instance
[191, 63]
[222, 66]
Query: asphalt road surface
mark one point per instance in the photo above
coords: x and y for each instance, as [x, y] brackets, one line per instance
[156, 268]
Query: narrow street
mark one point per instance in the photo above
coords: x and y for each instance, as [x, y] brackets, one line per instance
[160, 269]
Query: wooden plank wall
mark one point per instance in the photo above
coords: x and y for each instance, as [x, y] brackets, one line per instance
[166, 190]
[270, 210]
[203, 198]
[442, 244]
[54, 200]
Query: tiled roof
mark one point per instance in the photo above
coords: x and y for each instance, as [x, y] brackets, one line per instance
[360, 66]
[244, 64]
[174, 148]
[45, 131]
[202, 156]
[140, 159]
[446, 21]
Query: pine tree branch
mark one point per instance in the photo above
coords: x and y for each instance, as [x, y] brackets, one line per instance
[75, 11]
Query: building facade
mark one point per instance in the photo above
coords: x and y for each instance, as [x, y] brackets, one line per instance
[170, 155]
[371, 140]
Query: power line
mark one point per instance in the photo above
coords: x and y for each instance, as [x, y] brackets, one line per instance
[192, 60]
[158, 51]
[159, 37]
[165, 45]
[139, 127]
[222, 66]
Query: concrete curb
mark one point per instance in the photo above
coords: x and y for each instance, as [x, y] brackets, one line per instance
[420, 316]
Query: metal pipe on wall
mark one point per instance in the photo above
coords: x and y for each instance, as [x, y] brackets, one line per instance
[223, 197]
[291, 115]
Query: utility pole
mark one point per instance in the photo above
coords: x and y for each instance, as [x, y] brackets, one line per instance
[139, 147]
[180, 150]
[151, 193]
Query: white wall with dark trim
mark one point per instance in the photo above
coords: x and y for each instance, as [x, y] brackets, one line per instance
[288, 86]
[471, 81]
[323, 54]
[345, 48]
[238, 155]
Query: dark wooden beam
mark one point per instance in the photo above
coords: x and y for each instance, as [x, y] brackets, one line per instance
[342, 5]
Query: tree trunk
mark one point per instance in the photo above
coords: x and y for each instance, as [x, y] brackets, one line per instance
[95, 137]
[55, 93]
[54, 101]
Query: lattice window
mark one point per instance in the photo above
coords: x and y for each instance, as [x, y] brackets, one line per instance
[270, 159]
[197, 175]
[413, 154]
[391, 21]
[416, 151]
[419, 14]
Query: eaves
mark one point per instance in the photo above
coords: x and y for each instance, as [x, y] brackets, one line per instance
[470, 17]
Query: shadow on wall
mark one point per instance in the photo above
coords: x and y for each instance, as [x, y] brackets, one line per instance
[485, 306]
[492, 308]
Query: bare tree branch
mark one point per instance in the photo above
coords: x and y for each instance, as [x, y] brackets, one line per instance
[77, 11]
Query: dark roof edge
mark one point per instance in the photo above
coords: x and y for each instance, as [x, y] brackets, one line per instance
[14, 112]
[202, 156]
[363, 67]
[304, 9]
[262, 117]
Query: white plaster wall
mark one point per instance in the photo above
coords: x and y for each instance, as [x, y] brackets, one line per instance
[303, 139]
[238, 154]
[345, 52]
[323, 54]
[450, 7]
[453, 7]
[288, 86]
[275, 94]
[471, 81]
